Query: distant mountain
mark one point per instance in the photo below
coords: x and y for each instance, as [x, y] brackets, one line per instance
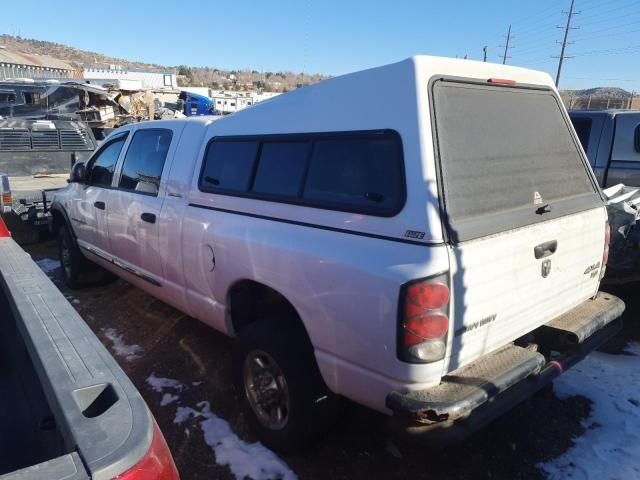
[608, 92]
[195, 76]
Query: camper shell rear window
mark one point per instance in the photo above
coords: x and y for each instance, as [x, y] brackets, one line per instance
[360, 172]
[506, 158]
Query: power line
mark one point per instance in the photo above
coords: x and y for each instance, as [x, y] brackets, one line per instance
[590, 5]
[610, 51]
[598, 15]
[608, 35]
[527, 19]
[614, 27]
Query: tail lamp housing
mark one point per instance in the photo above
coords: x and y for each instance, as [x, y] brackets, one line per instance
[423, 319]
[155, 464]
[4, 231]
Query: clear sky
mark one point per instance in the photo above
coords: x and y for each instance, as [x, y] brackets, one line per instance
[339, 36]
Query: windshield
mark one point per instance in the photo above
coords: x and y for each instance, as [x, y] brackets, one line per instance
[38, 101]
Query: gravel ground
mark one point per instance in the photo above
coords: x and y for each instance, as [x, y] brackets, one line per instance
[153, 341]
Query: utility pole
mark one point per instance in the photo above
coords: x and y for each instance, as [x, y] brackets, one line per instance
[567, 27]
[631, 100]
[484, 50]
[506, 46]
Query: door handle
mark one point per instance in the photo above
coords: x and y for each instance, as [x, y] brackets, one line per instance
[100, 205]
[545, 249]
[148, 217]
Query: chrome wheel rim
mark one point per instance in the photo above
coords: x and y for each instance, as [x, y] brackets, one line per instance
[65, 259]
[266, 389]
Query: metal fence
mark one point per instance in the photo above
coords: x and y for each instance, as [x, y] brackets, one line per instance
[8, 71]
[599, 102]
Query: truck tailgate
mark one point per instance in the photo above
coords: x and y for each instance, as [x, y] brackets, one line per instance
[525, 217]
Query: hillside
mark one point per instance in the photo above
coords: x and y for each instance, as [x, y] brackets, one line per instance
[604, 92]
[194, 76]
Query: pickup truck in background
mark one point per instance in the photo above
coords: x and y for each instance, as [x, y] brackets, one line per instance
[41, 137]
[67, 410]
[611, 140]
[36, 157]
[435, 262]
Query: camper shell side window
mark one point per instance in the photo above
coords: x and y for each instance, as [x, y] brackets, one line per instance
[358, 172]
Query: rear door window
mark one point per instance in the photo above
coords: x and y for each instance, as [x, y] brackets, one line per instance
[144, 161]
[583, 129]
[504, 154]
[228, 166]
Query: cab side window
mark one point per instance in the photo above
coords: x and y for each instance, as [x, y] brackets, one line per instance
[144, 161]
[103, 164]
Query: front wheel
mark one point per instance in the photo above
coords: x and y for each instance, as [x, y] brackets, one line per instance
[283, 394]
[71, 260]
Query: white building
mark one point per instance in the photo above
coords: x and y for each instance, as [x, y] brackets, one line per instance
[229, 102]
[130, 79]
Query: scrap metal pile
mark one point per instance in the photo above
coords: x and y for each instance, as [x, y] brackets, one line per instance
[100, 108]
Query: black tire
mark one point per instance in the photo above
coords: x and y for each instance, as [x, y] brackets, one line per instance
[312, 408]
[71, 260]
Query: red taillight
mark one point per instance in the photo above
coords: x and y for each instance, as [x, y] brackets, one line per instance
[424, 320]
[156, 464]
[502, 81]
[4, 231]
[426, 327]
[429, 296]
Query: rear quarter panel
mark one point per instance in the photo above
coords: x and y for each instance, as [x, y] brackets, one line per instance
[345, 288]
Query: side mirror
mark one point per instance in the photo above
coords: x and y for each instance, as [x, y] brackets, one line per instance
[78, 173]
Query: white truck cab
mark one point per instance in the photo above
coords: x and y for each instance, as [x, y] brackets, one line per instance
[438, 261]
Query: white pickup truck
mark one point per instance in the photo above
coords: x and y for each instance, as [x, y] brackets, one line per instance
[437, 260]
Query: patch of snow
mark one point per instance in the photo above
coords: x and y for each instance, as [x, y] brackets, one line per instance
[245, 460]
[48, 265]
[75, 301]
[167, 399]
[610, 446]
[184, 413]
[129, 352]
[158, 384]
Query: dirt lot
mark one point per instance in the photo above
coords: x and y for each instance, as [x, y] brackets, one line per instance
[172, 345]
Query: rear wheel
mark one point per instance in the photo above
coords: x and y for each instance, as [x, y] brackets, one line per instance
[283, 394]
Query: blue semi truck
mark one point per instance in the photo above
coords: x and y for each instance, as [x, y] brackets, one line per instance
[195, 105]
